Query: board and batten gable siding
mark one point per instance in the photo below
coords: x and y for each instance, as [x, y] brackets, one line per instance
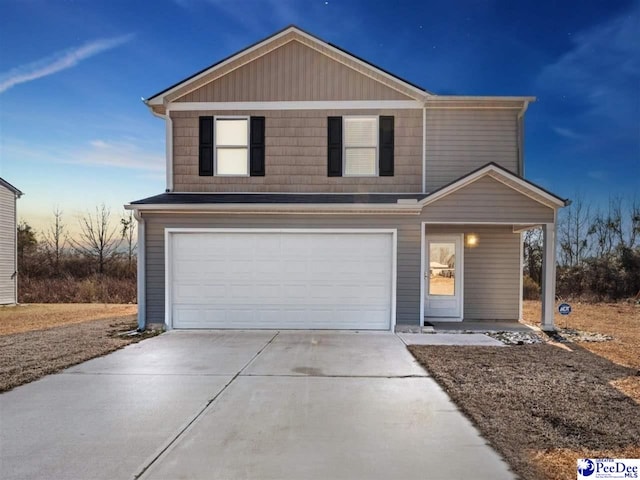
[408, 259]
[460, 141]
[293, 72]
[487, 200]
[491, 271]
[7, 246]
[296, 154]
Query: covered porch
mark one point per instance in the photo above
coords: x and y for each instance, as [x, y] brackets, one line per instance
[472, 252]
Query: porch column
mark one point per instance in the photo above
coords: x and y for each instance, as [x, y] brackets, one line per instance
[548, 277]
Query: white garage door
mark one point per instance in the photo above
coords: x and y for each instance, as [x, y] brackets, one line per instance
[280, 279]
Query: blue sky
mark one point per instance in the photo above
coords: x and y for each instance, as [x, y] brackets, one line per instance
[74, 132]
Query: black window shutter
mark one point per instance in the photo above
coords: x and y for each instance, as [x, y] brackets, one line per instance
[334, 147]
[386, 140]
[256, 147]
[206, 147]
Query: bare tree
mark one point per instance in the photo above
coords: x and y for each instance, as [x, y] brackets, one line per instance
[573, 232]
[533, 252]
[128, 235]
[55, 240]
[98, 239]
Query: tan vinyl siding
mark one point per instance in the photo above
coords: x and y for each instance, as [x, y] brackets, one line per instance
[460, 141]
[7, 246]
[293, 72]
[491, 272]
[408, 268]
[487, 200]
[296, 154]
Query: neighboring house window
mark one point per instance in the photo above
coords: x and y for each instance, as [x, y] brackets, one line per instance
[235, 146]
[360, 146]
[232, 146]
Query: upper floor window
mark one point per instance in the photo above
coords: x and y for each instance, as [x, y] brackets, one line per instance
[232, 146]
[360, 146]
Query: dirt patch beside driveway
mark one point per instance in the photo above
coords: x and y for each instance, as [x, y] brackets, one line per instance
[39, 316]
[27, 356]
[541, 406]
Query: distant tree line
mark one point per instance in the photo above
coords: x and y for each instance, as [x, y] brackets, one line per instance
[96, 264]
[598, 252]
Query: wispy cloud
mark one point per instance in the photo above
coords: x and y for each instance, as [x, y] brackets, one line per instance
[568, 133]
[602, 70]
[277, 13]
[58, 61]
[96, 153]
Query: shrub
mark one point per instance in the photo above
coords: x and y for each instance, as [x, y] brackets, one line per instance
[530, 289]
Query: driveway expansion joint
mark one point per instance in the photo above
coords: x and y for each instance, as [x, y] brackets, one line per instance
[202, 411]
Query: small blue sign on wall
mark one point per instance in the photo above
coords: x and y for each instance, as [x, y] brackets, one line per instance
[564, 309]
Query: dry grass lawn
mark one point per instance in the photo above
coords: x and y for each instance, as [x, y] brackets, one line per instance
[36, 340]
[542, 407]
[40, 316]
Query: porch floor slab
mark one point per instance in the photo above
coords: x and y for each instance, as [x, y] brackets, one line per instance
[471, 339]
[480, 326]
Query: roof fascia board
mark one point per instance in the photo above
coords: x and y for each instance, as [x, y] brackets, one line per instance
[286, 208]
[295, 105]
[10, 187]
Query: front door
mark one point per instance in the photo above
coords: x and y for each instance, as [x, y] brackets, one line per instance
[443, 277]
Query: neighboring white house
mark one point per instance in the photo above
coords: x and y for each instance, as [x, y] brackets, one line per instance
[8, 243]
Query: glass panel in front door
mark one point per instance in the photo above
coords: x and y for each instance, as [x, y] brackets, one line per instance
[442, 268]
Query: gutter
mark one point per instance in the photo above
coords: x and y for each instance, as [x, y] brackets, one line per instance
[141, 279]
[168, 143]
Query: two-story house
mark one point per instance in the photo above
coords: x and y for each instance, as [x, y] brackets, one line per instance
[308, 188]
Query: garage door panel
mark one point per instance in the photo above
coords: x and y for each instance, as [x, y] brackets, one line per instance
[281, 280]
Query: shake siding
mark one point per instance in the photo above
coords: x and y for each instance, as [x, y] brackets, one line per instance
[296, 154]
[7, 246]
[460, 141]
[491, 272]
[293, 72]
[487, 200]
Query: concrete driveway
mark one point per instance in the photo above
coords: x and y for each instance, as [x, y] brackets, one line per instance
[267, 405]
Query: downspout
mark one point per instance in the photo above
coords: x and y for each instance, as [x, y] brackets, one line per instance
[168, 144]
[15, 257]
[424, 149]
[520, 136]
[141, 261]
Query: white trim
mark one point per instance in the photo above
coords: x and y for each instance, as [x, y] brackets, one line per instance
[171, 230]
[159, 99]
[246, 147]
[16, 196]
[459, 265]
[521, 277]
[141, 269]
[375, 118]
[548, 277]
[168, 147]
[423, 259]
[491, 170]
[493, 98]
[297, 105]
[284, 208]
[424, 150]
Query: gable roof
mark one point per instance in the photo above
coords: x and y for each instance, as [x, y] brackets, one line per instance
[295, 33]
[8, 186]
[503, 176]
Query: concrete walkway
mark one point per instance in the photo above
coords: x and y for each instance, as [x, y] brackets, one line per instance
[201, 405]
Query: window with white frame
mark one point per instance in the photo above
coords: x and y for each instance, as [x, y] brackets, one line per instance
[232, 146]
[360, 143]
